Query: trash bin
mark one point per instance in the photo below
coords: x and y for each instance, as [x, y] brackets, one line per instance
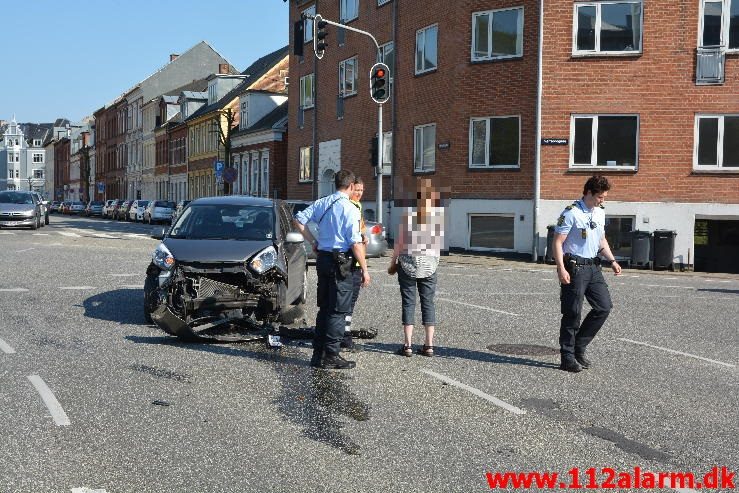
[549, 255]
[640, 249]
[664, 249]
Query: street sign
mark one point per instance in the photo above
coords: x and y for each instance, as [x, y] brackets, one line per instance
[101, 187]
[218, 166]
[230, 175]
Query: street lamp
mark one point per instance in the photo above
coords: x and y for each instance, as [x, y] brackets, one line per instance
[30, 183]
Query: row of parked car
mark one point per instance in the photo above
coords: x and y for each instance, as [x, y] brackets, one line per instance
[23, 208]
[147, 211]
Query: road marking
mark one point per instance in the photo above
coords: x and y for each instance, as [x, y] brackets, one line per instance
[5, 347]
[26, 250]
[677, 352]
[6, 233]
[76, 287]
[726, 280]
[478, 306]
[125, 275]
[87, 490]
[667, 286]
[40, 234]
[69, 233]
[60, 417]
[13, 290]
[107, 237]
[133, 286]
[478, 393]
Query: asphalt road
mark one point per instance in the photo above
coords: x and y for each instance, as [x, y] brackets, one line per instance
[94, 399]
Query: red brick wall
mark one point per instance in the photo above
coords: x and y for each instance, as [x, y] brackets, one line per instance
[658, 85]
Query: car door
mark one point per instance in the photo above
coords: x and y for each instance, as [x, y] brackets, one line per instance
[294, 254]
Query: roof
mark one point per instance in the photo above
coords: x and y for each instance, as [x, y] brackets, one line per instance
[195, 95]
[267, 122]
[199, 85]
[170, 99]
[253, 73]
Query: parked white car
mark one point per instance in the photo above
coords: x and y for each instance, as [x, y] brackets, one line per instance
[158, 211]
[136, 212]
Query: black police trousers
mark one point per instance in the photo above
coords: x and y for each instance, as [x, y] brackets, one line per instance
[586, 281]
[334, 303]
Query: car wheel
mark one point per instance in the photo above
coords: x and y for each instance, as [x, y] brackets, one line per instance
[304, 292]
[35, 223]
[46, 219]
[151, 286]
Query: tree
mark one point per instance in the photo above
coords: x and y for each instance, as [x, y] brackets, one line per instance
[224, 129]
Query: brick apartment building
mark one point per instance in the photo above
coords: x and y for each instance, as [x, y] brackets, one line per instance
[515, 103]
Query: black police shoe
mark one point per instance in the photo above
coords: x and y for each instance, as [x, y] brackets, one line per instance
[570, 364]
[583, 360]
[336, 362]
[315, 360]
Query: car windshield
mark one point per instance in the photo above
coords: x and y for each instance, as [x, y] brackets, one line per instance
[96, 203]
[226, 222]
[15, 198]
[161, 203]
[143, 203]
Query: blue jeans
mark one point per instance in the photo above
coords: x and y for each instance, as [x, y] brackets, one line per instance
[426, 292]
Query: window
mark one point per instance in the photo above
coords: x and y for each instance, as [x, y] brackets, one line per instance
[424, 148]
[17, 173]
[426, 49]
[254, 174]
[387, 152]
[10, 173]
[387, 56]
[244, 117]
[618, 234]
[305, 172]
[349, 10]
[265, 174]
[604, 140]
[720, 23]
[348, 77]
[491, 231]
[38, 157]
[38, 173]
[36, 142]
[716, 142]
[308, 24]
[306, 91]
[382, 2]
[497, 34]
[607, 27]
[495, 142]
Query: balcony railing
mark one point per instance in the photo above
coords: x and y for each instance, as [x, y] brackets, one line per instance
[709, 67]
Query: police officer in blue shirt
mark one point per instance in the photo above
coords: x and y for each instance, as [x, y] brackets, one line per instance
[338, 247]
[578, 240]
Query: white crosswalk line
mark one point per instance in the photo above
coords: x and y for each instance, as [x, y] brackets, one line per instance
[69, 233]
[40, 234]
[106, 236]
[6, 233]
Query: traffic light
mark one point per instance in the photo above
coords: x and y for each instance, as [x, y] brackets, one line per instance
[319, 36]
[298, 36]
[380, 83]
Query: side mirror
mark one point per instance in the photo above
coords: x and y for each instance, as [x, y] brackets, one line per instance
[294, 237]
[159, 234]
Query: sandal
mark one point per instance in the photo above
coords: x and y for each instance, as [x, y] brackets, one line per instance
[426, 351]
[405, 351]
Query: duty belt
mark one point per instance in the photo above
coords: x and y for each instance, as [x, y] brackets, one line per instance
[583, 260]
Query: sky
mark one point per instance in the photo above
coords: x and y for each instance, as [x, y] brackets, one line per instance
[69, 59]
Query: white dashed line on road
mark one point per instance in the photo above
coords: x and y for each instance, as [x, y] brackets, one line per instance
[70, 234]
[40, 234]
[125, 275]
[667, 286]
[87, 490]
[677, 352]
[133, 286]
[72, 288]
[6, 233]
[106, 236]
[478, 306]
[5, 347]
[13, 290]
[60, 417]
[25, 250]
[478, 393]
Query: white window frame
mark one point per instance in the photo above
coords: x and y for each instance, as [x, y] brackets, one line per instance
[382, 2]
[265, 174]
[719, 166]
[487, 164]
[594, 143]
[308, 24]
[598, 16]
[725, 24]
[423, 32]
[306, 153]
[342, 76]
[40, 172]
[255, 172]
[36, 142]
[39, 155]
[422, 168]
[491, 14]
[344, 10]
[244, 117]
[307, 101]
[386, 48]
[387, 152]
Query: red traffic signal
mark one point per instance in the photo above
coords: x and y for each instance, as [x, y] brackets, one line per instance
[380, 83]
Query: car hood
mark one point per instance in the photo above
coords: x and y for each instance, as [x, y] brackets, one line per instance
[214, 250]
[16, 207]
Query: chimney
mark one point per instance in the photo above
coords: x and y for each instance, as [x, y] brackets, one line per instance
[223, 68]
[173, 57]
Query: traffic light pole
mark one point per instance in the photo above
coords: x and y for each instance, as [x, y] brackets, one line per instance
[318, 17]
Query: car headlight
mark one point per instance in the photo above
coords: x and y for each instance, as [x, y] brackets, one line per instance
[264, 260]
[28, 213]
[162, 257]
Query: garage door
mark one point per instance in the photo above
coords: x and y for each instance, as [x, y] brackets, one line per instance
[717, 245]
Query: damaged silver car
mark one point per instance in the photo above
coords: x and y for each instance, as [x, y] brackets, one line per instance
[230, 261]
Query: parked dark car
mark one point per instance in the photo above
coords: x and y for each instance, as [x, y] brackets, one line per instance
[230, 256]
[94, 208]
[19, 208]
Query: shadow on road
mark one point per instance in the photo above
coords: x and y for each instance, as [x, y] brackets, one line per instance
[719, 290]
[450, 352]
[125, 306]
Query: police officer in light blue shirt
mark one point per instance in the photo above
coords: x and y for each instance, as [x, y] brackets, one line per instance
[338, 247]
[579, 238]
